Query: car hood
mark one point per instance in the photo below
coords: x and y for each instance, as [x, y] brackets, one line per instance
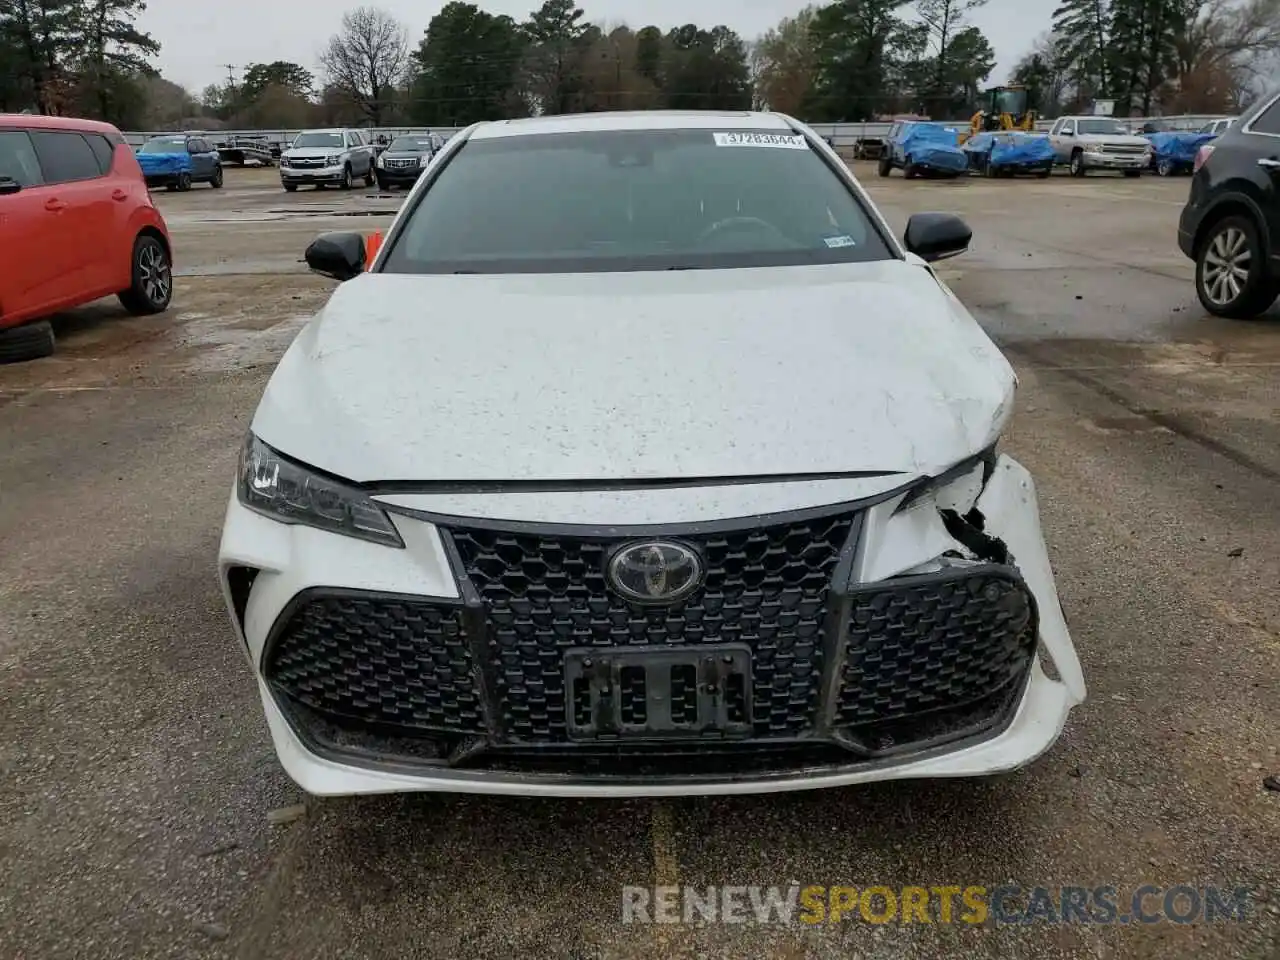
[645, 375]
[318, 153]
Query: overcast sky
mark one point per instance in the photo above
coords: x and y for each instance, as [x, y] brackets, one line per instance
[198, 40]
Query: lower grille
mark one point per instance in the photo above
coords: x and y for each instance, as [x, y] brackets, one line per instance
[397, 662]
[932, 642]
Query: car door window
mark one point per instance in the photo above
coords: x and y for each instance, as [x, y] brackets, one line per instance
[65, 157]
[18, 159]
[1268, 121]
[103, 150]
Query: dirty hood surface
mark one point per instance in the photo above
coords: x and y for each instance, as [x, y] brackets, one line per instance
[624, 376]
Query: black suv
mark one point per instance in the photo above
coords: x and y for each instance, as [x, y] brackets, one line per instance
[1231, 224]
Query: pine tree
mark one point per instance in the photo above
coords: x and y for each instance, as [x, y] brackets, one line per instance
[114, 51]
[1142, 49]
[1085, 29]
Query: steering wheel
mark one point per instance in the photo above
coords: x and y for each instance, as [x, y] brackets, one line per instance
[736, 224]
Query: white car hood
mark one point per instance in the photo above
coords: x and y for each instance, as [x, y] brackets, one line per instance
[626, 376]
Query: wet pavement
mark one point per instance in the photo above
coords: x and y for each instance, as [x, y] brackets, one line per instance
[135, 820]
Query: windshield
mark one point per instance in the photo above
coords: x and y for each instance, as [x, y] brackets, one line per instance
[318, 140]
[1011, 101]
[1101, 125]
[633, 200]
[164, 145]
[411, 144]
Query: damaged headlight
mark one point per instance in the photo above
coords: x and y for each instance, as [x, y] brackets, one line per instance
[277, 487]
[955, 489]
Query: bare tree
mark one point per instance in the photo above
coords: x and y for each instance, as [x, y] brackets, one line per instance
[1226, 47]
[366, 59]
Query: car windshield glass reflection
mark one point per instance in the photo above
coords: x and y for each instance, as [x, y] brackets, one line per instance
[318, 140]
[634, 200]
[160, 145]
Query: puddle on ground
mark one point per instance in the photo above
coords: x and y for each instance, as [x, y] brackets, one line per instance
[235, 341]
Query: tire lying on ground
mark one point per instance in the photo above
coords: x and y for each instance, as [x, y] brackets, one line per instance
[27, 342]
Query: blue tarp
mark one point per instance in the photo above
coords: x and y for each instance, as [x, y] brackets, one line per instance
[162, 164]
[933, 146]
[1178, 147]
[1012, 148]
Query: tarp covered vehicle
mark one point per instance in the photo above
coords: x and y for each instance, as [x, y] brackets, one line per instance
[1175, 151]
[1004, 154]
[929, 149]
[177, 161]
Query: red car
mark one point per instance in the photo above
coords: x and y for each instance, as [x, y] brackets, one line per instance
[76, 224]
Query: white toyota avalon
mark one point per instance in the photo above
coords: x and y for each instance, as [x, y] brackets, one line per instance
[641, 460]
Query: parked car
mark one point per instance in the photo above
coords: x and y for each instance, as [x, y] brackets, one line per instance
[78, 224]
[672, 509]
[1098, 143]
[1218, 127]
[1230, 225]
[1010, 152]
[921, 148]
[1175, 152]
[176, 162]
[404, 159]
[324, 157]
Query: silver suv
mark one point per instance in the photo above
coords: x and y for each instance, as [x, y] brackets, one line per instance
[321, 157]
[1099, 143]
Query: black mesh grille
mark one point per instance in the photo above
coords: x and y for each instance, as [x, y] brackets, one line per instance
[765, 586]
[379, 660]
[926, 643]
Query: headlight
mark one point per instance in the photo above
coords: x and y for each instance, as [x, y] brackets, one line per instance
[279, 488]
[1093, 148]
[284, 161]
[381, 165]
[333, 160]
[424, 160]
[957, 488]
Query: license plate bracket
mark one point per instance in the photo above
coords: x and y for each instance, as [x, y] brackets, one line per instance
[658, 694]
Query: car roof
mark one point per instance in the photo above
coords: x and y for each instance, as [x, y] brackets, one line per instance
[35, 121]
[632, 120]
[326, 130]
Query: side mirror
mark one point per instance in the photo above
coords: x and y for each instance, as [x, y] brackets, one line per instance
[337, 255]
[8, 185]
[936, 236]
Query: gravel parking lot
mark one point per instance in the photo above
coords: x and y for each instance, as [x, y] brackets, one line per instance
[138, 818]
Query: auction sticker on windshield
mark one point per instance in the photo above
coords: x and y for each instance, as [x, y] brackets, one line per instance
[778, 140]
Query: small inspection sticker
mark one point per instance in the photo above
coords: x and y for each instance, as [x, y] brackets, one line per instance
[834, 242]
[778, 141]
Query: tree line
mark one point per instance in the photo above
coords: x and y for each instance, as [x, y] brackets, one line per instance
[846, 60]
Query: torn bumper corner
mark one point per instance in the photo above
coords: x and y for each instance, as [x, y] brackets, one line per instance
[1011, 514]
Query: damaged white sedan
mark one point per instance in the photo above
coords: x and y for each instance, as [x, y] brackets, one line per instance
[642, 460]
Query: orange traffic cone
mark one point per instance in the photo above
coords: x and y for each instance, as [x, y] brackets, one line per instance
[371, 247]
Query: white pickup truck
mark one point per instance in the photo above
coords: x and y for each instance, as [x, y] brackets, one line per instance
[1099, 143]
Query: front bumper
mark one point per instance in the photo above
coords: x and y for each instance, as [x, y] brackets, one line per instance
[332, 174]
[399, 176]
[506, 707]
[164, 179]
[1116, 161]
